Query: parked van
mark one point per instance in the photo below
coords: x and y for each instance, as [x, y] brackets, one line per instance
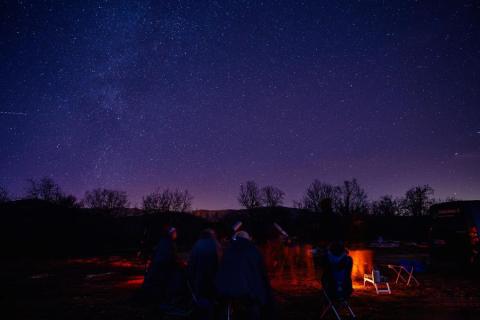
[454, 234]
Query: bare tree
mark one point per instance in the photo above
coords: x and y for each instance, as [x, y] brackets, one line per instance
[353, 199]
[181, 201]
[418, 200]
[249, 196]
[151, 202]
[166, 200]
[271, 196]
[158, 201]
[44, 189]
[320, 197]
[4, 196]
[386, 206]
[105, 199]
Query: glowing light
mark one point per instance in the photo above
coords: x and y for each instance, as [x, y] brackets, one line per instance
[362, 264]
[133, 281]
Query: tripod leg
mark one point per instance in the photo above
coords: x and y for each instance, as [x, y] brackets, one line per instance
[350, 309]
[324, 312]
[336, 313]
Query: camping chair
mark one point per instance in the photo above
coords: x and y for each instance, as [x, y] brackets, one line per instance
[380, 284]
[331, 306]
[409, 274]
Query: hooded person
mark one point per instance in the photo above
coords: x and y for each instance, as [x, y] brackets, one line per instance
[162, 279]
[337, 274]
[203, 264]
[242, 279]
[202, 269]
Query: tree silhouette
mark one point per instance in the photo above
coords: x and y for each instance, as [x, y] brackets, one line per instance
[44, 189]
[181, 201]
[353, 199]
[105, 199]
[4, 196]
[386, 206]
[418, 200]
[320, 197]
[166, 200]
[48, 190]
[249, 196]
[271, 196]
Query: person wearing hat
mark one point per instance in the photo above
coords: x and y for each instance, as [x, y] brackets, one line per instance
[163, 274]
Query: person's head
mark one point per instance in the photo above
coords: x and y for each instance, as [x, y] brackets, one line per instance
[337, 248]
[242, 235]
[208, 234]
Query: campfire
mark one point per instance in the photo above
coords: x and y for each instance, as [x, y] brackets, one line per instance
[292, 268]
[362, 264]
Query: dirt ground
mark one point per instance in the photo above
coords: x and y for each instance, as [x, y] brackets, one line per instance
[101, 288]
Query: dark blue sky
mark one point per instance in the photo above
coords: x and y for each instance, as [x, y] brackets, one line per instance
[136, 95]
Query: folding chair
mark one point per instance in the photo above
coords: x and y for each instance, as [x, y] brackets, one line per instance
[331, 306]
[409, 274]
[381, 286]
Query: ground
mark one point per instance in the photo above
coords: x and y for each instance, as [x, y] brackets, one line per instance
[102, 287]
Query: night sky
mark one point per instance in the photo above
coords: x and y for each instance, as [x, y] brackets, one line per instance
[135, 95]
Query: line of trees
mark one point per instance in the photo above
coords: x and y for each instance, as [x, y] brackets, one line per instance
[105, 199]
[345, 199]
[168, 201]
[251, 196]
[349, 198]
[47, 189]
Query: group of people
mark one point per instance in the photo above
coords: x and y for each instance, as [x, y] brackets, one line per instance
[221, 281]
[216, 280]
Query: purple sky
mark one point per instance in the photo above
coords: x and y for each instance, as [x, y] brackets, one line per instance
[135, 95]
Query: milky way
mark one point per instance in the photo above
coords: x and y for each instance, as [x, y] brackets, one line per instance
[135, 95]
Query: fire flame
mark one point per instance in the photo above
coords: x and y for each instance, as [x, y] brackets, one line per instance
[362, 264]
[292, 268]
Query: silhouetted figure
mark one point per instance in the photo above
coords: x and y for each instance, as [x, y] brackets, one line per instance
[242, 281]
[202, 269]
[164, 277]
[337, 274]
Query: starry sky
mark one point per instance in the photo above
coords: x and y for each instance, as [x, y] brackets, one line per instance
[204, 95]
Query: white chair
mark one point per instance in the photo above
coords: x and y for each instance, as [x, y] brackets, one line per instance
[381, 286]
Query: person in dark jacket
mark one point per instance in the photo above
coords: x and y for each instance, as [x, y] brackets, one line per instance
[163, 280]
[202, 269]
[337, 274]
[203, 264]
[242, 280]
